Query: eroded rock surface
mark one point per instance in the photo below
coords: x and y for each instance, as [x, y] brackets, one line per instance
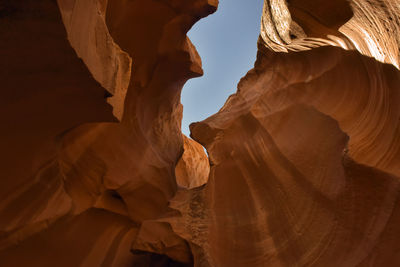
[303, 164]
[67, 161]
[193, 167]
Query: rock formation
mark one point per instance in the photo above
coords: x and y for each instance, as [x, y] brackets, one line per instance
[303, 164]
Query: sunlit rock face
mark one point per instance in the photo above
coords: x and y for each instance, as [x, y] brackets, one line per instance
[293, 146]
[369, 26]
[303, 164]
[305, 156]
[193, 167]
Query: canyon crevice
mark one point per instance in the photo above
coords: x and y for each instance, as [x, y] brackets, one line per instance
[303, 164]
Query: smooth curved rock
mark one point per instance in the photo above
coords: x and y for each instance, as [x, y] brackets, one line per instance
[46, 90]
[88, 34]
[64, 153]
[370, 27]
[193, 167]
[304, 156]
[303, 161]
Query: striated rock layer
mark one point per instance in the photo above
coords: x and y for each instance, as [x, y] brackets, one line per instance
[77, 184]
[303, 164]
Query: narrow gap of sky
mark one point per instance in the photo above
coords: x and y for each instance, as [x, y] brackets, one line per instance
[227, 44]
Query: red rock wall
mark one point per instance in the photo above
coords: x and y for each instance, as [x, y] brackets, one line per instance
[77, 183]
[303, 166]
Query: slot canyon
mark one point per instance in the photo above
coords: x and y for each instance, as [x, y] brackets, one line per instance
[302, 163]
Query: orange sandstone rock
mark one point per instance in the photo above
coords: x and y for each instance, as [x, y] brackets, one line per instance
[303, 161]
[193, 167]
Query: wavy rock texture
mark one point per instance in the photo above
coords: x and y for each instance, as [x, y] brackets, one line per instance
[77, 184]
[88, 34]
[303, 161]
[301, 196]
[307, 151]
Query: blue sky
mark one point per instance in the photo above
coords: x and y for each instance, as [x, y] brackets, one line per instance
[227, 44]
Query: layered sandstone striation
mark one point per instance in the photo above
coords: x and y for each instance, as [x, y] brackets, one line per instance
[77, 183]
[303, 165]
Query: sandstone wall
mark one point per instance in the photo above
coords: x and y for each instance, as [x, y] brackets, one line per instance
[303, 165]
